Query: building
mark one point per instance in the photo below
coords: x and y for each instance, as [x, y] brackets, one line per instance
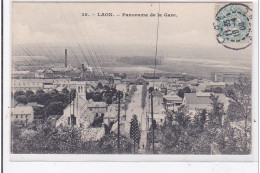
[172, 102]
[212, 86]
[158, 108]
[74, 115]
[97, 107]
[22, 115]
[201, 100]
[22, 74]
[225, 76]
[198, 100]
[26, 84]
[81, 113]
[57, 72]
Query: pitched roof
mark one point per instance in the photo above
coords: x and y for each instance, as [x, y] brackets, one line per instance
[217, 83]
[192, 98]
[97, 104]
[22, 110]
[172, 97]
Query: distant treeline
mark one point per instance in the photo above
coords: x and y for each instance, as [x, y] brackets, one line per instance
[140, 60]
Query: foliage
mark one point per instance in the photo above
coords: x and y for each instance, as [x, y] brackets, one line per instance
[21, 99]
[40, 91]
[98, 120]
[55, 108]
[108, 145]
[28, 93]
[65, 90]
[130, 95]
[47, 139]
[18, 93]
[109, 100]
[144, 94]
[135, 133]
[240, 98]
[217, 112]
[182, 91]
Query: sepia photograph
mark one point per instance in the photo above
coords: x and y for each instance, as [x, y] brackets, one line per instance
[131, 78]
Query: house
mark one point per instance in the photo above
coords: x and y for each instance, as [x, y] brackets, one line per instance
[111, 114]
[22, 115]
[56, 72]
[75, 114]
[225, 76]
[158, 109]
[198, 100]
[81, 113]
[97, 107]
[172, 101]
[216, 85]
[22, 74]
[201, 100]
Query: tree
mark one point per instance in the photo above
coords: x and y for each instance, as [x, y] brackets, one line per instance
[182, 91]
[151, 89]
[99, 86]
[187, 89]
[182, 118]
[135, 131]
[40, 91]
[22, 99]
[33, 98]
[28, 93]
[53, 92]
[108, 145]
[97, 97]
[43, 98]
[18, 93]
[240, 97]
[144, 94]
[216, 115]
[200, 119]
[65, 90]
[98, 120]
[59, 97]
[109, 100]
[54, 108]
[217, 90]
[89, 95]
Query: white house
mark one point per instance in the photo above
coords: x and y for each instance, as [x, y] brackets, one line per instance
[172, 101]
[22, 114]
[76, 114]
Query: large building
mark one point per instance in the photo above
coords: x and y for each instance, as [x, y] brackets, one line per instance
[225, 76]
[201, 100]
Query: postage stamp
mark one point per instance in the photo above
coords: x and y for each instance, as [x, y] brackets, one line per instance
[234, 25]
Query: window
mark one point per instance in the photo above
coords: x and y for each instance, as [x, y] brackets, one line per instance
[16, 116]
[21, 116]
[68, 120]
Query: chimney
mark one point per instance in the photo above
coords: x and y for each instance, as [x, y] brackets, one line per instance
[66, 64]
[82, 68]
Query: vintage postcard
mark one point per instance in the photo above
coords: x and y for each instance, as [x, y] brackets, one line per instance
[134, 79]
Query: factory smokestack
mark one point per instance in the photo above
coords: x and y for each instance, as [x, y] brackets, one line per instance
[66, 63]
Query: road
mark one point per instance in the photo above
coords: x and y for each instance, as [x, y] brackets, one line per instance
[135, 108]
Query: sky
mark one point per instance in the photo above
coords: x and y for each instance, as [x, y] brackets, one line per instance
[191, 33]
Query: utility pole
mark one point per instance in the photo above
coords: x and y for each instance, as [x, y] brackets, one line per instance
[118, 129]
[152, 121]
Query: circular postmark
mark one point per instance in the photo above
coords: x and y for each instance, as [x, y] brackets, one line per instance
[233, 25]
